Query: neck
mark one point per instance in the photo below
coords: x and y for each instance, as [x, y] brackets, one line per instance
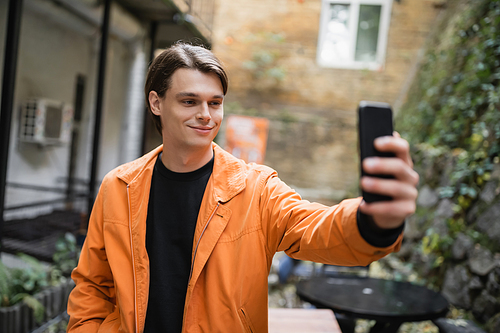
[186, 161]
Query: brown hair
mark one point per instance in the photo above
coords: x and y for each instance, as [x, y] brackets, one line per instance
[180, 55]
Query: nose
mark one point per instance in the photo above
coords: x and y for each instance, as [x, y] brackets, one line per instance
[204, 112]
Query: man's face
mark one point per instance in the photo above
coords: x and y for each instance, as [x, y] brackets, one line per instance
[191, 111]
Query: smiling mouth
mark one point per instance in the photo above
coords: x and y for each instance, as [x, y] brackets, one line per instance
[202, 129]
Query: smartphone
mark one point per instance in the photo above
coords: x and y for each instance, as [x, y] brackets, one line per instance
[374, 120]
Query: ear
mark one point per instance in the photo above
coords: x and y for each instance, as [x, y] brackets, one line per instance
[154, 102]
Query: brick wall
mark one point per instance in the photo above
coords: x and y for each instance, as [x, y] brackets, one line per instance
[315, 148]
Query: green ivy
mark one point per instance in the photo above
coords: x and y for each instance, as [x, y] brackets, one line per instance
[458, 112]
[453, 114]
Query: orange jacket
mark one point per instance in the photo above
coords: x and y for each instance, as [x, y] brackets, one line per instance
[247, 214]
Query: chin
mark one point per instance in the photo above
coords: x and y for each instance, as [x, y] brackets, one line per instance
[200, 144]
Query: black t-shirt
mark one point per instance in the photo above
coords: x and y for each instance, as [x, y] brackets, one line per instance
[174, 202]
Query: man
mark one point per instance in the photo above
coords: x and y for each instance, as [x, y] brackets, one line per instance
[182, 239]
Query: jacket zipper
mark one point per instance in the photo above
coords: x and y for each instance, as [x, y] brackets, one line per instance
[198, 242]
[133, 259]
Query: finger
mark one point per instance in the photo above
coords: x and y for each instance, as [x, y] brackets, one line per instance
[394, 144]
[394, 188]
[388, 214]
[398, 210]
[391, 166]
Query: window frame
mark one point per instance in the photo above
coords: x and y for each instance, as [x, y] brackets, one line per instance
[385, 17]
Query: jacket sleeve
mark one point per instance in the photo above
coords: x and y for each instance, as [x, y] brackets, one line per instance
[311, 231]
[93, 297]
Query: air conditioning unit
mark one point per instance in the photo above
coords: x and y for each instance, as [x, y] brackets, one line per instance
[45, 121]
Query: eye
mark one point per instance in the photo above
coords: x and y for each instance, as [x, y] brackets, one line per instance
[216, 103]
[189, 102]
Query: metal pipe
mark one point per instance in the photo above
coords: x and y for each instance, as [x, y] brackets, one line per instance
[99, 103]
[75, 135]
[7, 104]
[152, 37]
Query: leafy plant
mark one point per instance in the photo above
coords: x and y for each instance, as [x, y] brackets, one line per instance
[66, 256]
[20, 284]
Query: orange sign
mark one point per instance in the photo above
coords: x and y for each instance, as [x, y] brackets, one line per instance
[246, 137]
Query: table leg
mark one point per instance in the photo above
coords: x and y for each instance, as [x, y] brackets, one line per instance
[385, 327]
[346, 323]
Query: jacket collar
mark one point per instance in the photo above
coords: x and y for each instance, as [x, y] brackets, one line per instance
[135, 170]
[228, 175]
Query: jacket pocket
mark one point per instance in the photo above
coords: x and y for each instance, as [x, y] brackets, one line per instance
[110, 323]
[246, 321]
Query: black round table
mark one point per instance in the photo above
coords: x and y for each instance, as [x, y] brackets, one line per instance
[390, 303]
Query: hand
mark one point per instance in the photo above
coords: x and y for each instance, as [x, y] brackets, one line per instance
[390, 214]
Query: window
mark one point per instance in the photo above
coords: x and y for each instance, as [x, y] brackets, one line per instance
[353, 33]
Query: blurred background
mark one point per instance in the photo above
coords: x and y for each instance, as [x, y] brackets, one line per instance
[72, 109]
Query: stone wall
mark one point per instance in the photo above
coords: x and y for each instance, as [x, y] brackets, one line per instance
[318, 151]
[471, 269]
